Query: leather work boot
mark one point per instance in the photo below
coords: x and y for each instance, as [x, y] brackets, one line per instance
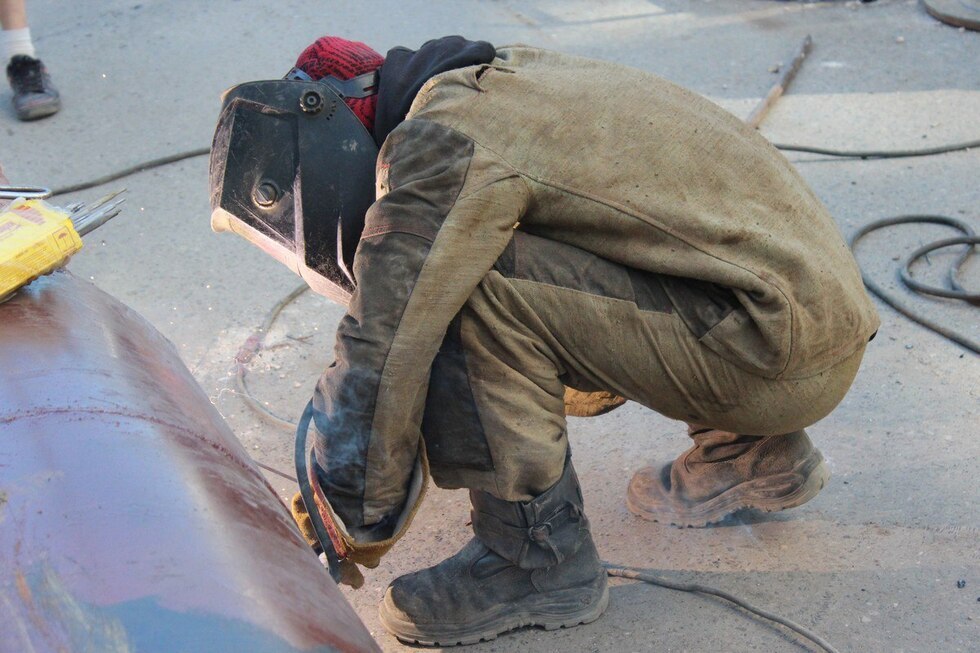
[724, 472]
[530, 564]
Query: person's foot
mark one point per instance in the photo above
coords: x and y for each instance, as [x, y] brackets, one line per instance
[476, 595]
[34, 94]
[530, 564]
[726, 472]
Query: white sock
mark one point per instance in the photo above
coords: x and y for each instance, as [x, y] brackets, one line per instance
[16, 41]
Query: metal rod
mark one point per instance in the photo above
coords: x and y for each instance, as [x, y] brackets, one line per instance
[93, 221]
[87, 218]
[759, 112]
[27, 192]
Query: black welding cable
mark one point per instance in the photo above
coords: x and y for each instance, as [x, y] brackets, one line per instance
[957, 291]
[131, 170]
[850, 154]
[251, 348]
[857, 154]
[633, 573]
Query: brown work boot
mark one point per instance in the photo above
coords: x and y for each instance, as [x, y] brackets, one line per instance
[530, 564]
[724, 472]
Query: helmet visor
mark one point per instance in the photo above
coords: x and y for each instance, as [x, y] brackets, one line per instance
[292, 171]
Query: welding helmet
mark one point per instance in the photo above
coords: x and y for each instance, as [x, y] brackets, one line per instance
[292, 170]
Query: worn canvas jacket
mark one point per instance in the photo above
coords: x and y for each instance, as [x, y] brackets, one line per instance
[609, 159]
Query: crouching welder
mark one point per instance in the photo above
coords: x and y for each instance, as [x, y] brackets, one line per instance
[540, 235]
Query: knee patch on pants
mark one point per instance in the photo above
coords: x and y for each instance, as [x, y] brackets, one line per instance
[451, 427]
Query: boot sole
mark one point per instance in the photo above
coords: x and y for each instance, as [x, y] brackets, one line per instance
[558, 609]
[769, 494]
[36, 112]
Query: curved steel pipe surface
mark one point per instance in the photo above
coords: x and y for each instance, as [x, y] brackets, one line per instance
[131, 519]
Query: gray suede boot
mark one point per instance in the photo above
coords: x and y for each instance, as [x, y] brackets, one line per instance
[530, 564]
[724, 472]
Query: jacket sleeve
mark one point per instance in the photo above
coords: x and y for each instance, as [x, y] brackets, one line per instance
[446, 211]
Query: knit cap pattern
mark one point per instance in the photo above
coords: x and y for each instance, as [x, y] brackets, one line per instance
[336, 57]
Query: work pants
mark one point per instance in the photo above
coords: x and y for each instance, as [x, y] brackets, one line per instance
[549, 315]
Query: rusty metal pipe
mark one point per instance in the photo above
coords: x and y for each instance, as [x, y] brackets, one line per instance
[131, 519]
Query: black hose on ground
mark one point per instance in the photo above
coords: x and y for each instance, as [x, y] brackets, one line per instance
[251, 348]
[848, 154]
[646, 576]
[956, 290]
[131, 170]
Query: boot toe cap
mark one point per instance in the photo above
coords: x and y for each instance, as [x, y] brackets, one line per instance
[651, 484]
[406, 600]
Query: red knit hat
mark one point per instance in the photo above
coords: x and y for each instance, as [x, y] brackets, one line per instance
[343, 59]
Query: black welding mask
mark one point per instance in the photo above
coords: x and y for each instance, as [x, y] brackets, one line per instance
[292, 170]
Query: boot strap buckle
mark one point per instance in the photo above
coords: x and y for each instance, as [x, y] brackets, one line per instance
[539, 533]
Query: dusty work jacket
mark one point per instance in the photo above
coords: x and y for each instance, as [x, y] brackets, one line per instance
[612, 160]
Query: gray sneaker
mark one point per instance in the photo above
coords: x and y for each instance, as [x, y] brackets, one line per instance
[34, 94]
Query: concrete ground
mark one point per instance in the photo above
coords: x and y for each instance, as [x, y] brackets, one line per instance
[872, 564]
